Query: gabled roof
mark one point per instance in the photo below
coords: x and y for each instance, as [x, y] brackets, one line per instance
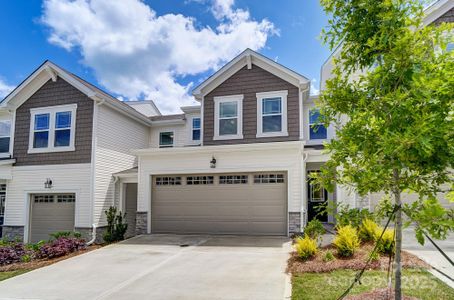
[247, 58]
[436, 10]
[49, 70]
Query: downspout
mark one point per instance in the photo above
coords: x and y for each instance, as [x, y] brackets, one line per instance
[93, 236]
[303, 192]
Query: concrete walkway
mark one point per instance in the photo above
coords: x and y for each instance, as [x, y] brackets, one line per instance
[164, 267]
[431, 255]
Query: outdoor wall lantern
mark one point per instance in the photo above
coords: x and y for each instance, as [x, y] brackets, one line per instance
[213, 163]
[48, 183]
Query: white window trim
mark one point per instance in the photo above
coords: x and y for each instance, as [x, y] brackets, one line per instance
[52, 111]
[217, 102]
[173, 140]
[309, 127]
[8, 153]
[192, 129]
[275, 94]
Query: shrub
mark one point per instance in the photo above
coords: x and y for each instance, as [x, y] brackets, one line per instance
[374, 256]
[328, 256]
[367, 230]
[12, 253]
[386, 244]
[352, 216]
[116, 228]
[346, 241]
[35, 247]
[314, 229]
[306, 247]
[60, 247]
[59, 234]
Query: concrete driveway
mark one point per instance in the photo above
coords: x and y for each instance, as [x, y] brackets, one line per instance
[164, 267]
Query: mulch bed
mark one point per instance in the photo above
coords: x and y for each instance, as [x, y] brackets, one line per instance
[39, 263]
[357, 262]
[378, 294]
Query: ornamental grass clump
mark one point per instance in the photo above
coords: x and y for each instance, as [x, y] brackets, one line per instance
[306, 247]
[367, 230]
[346, 241]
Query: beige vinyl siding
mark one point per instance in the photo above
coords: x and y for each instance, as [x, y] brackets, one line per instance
[71, 178]
[287, 158]
[179, 137]
[116, 136]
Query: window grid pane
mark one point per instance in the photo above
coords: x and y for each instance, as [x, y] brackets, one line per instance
[42, 121]
[5, 128]
[43, 198]
[41, 139]
[228, 109]
[66, 198]
[62, 138]
[228, 126]
[168, 180]
[196, 123]
[63, 119]
[269, 178]
[199, 180]
[233, 179]
[271, 106]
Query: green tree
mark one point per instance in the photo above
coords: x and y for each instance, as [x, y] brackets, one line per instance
[391, 102]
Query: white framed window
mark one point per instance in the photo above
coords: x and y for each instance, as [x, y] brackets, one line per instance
[52, 129]
[272, 114]
[228, 117]
[5, 137]
[195, 131]
[166, 139]
[317, 131]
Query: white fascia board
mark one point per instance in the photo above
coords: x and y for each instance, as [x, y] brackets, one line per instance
[297, 145]
[167, 122]
[7, 162]
[436, 10]
[249, 56]
[193, 109]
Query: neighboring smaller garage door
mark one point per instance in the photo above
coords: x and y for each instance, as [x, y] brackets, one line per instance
[51, 213]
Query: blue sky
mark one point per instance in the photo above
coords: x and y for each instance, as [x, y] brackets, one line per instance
[156, 49]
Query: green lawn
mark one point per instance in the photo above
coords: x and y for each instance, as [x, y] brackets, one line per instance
[6, 275]
[416, 283]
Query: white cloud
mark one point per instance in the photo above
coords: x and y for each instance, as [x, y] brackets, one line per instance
[5, 89]
[314, 87]
[136, 53]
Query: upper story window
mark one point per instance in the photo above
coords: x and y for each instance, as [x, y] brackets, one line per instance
[5, 135]
[196, 129]
[228, 117]
[52, 129]
[317, 131]
[272, 114]
[166, 139]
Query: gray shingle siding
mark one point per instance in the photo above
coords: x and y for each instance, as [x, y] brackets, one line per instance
[249, 82]
[52, 94]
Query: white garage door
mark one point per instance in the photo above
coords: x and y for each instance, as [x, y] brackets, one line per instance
[250, 204]
[51, 213]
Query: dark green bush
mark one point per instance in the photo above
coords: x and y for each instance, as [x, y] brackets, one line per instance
[116, 226]
[314, 229]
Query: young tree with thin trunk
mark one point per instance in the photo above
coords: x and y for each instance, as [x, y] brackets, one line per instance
[391, 100]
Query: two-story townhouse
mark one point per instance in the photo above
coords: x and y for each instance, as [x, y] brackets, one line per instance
[441, 11]
[61, 140]
[238, 163]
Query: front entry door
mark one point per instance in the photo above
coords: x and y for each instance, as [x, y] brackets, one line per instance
[317, 198]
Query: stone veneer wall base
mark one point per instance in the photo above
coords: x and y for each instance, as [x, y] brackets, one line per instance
[141, 222]
[294, 222]
[13, 232]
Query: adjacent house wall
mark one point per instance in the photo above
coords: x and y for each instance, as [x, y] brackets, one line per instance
[116, 136]
[248, 82]
[73, 178]
[447, 17]
[52, 94]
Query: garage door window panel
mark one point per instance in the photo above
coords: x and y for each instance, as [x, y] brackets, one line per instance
[167, 180]
[233, 179]
[199, 180]
[269, 178]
